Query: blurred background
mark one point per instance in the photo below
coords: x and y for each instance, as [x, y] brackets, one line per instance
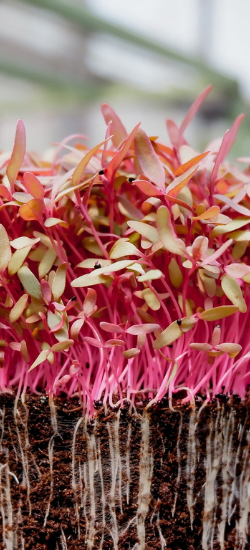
[60, 59]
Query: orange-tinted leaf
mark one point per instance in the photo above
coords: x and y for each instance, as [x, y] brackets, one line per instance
[210, 213]
[80, 169]
[184, 167]
[177, 185]
[33, 185]
[32, 210]
[4, 192]
[147, 188]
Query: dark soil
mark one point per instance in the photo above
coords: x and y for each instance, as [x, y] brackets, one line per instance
[30, 480]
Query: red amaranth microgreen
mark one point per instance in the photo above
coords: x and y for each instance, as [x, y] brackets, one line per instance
[117, 264]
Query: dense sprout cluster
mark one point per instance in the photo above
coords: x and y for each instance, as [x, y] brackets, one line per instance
[125, 268]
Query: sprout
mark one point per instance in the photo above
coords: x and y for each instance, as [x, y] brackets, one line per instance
[124, 258]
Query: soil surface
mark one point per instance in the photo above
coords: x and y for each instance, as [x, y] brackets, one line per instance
[129, 479]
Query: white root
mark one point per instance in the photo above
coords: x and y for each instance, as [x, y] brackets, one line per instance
[145, 472]
[242, 525]
[191, 463]
[50, 453]
[102, 476]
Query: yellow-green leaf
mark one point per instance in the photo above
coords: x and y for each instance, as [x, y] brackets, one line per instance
[40, 359]
[151, 299]
[5, 250]
[30, 282]
[63, 345]
[240, 236]
[96, 276]
[47, 262]
[129, 353]
[175, 273]
[217, 313]
[18, 308]
[150, 275]
[232, 226]
[230, 348]
[76, 327]
[122, 248]
[145, 230]
[166, 233]
[50, 222]
[23, 242]
[92, 246]
[239, 249]
[168, 336]
[59, 281]
[90, 263]
[232, 290]
[89, 280]
[172, 375]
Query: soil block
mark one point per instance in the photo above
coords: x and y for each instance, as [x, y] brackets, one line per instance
[169, 477]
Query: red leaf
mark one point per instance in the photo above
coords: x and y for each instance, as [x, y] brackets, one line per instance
[150, 163]
[193, 110]
[17, 155]
[121, 153]
[225, 147]
[117, 128]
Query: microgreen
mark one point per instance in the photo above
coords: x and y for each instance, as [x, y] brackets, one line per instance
[125, 257]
